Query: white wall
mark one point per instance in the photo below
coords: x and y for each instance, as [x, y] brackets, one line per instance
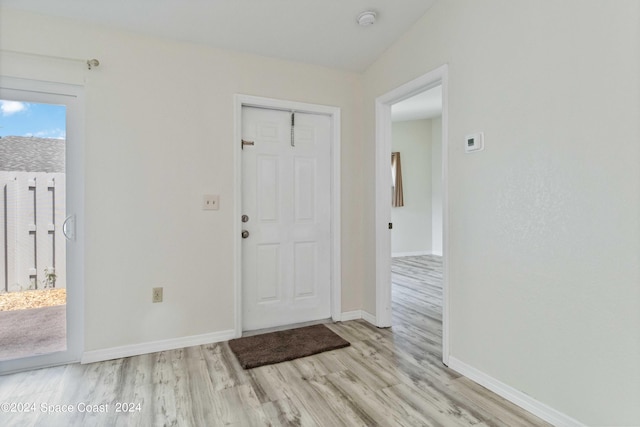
[544, 224]
[411, 233]
[436, 186]
[159, 135]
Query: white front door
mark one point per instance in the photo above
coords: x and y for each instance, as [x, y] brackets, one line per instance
[286, 200]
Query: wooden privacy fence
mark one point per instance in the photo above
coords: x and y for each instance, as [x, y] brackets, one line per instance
[32, 211]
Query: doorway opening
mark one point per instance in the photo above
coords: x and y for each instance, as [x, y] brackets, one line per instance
[40, 216]
[433, 222]
[287, 213]
[416, 147]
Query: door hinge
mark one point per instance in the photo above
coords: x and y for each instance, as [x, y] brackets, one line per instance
[390, 226]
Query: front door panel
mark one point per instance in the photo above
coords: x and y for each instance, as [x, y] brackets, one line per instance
[286, 195]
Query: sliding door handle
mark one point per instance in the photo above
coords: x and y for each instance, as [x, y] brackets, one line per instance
[69, 227]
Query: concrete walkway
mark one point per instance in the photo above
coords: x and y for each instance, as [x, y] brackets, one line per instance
[32, 332]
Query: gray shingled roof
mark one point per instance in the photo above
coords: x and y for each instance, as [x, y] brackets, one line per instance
[31, 154]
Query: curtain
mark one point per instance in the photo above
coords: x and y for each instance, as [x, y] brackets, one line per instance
[397, 199]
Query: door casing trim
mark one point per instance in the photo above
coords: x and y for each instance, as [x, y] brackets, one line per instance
[383, 103]
[334, 113]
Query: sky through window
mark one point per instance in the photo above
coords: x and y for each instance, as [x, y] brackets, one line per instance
[32, 119]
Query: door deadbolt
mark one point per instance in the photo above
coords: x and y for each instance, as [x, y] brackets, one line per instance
[245, 234]
[245, 218]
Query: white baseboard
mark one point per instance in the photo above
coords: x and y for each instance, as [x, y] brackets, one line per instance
[155, 346]
[358, 314]
[514, 396]
[369, 317]
[417, 253]
[351, 315]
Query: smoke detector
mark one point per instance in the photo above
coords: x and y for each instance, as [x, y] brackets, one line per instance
[366, 18]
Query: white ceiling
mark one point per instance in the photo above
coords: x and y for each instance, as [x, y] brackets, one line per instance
[425, 105]
[322, 32]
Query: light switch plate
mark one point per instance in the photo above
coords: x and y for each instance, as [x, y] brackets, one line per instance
[210, 202]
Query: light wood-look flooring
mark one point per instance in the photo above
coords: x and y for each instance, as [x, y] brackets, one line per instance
[387, 377]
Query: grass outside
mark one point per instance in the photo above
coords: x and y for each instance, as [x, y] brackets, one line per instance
[32, 299]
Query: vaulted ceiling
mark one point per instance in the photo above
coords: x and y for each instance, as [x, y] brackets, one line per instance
[311, 31]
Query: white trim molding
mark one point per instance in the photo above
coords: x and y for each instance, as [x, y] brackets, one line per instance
[357, 315]
[417, 253]
[336, 264]
[383, 104]
[368, 317]
[155, 346]
[514, 396]
[351, 315]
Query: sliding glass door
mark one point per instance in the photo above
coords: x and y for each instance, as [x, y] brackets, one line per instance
[40, 202]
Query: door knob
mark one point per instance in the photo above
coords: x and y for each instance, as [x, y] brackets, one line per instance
[245, 218]
[245, 234]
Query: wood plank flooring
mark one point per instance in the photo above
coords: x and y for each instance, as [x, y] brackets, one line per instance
[387, 377]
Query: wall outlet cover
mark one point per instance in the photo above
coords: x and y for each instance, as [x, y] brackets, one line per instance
[156, 295]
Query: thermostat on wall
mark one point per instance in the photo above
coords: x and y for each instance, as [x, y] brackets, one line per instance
[474, 142]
